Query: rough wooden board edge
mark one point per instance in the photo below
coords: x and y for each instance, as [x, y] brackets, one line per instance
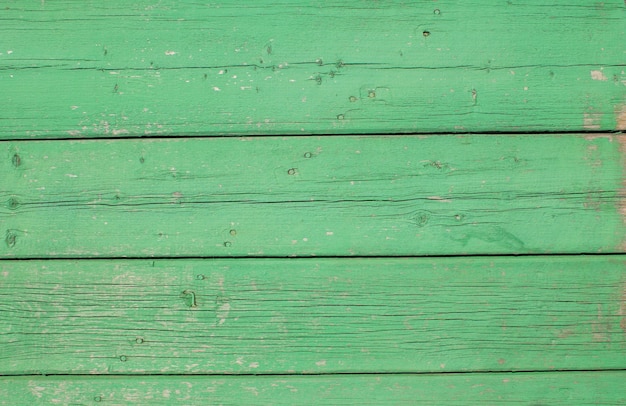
[622, 195]
[556, 388]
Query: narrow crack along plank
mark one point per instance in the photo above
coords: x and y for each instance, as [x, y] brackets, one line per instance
[292, 316]
[307, 196]
[105, 69]
[579, 388]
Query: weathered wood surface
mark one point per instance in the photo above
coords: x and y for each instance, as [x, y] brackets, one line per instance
[312, 315]
[303, 196]
[376, 330]
[574, 388]
[114, 68]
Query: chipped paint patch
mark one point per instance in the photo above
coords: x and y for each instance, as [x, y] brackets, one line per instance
[620, 117]
[622, 309]
[36, 390]
[621, 206]
[598, 75]
[601, 327]
[591, 137]
[222, 313]
[591, 121]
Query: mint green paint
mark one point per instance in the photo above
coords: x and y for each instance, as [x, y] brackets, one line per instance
[106, 69]
[580, 388]
[294, 316]
[304, 196]
[176, 69]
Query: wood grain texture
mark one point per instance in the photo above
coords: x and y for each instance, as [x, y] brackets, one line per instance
[106, 69]
[312, 315]
[307, 196]
[579, 388]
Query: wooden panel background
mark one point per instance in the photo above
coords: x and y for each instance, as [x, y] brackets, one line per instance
[312, 202]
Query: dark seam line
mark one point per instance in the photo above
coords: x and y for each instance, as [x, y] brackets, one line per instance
[311, 257]
[329, 135]
[226, 375]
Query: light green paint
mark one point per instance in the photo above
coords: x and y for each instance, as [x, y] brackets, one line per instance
[178, 68]
[105, 69]
[579, 388]
[304, 196]
[293, 316]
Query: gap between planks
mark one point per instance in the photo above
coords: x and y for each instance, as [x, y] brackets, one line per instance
[313, 257]
[329, 374]
[252, 135]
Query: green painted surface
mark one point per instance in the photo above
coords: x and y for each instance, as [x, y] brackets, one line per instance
[303, 196]
[580, 388]
[114, 68]
[176, 69]
[293, 316]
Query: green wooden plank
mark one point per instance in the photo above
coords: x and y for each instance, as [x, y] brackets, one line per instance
[579, 388]
[101, 69]
[310, 315]
[307, 196]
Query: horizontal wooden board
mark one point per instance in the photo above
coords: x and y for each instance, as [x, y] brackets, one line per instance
[307, 196]
[312, 315]
[104, 69]
[578, 388]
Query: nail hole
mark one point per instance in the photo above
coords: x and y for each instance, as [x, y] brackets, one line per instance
[142, 160]
[17, 161]
[11, 239]
[139, 340]
[233, 232]
[353, 99]
[340, 117]
[437, 11]
[308, 155]
[97, 399]
[227, 244]
[426, 33]
[123, 358]
[291, 171]
[371, 94]
[13, 203]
